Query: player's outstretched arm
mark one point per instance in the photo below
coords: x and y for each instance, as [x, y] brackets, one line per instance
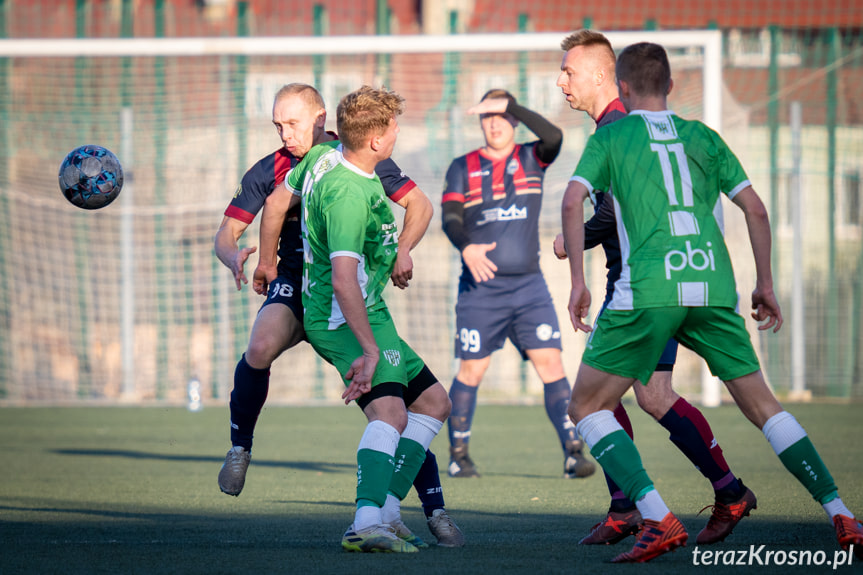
[550, 136]
[346, 290]
[572, 216]
[418, 215]
[272, 219]
[228, 250]
[757, 221]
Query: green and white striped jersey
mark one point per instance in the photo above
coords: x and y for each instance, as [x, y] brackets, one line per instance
[665, 175]
[345, 212]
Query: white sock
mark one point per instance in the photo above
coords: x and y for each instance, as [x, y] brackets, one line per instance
[596, 426]
[836, 507]
[380, 436]
[383, 437]
[422, 428]
[782, 431]
[366, 516]
[652, 506]
[392, 509]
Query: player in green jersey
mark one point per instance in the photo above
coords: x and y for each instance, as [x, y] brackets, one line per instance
[587, 80]
[350, 244]
[666, 175]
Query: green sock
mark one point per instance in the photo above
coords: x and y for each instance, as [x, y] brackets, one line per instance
[620, 459]
[409, 458]
[803, 461]
[374, 472]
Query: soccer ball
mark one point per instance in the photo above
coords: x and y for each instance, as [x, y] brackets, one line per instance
[91, 177]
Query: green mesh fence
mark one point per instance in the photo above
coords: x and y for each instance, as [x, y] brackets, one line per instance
[73, 297]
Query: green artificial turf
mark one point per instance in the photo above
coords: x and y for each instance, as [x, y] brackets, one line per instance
[133, 490]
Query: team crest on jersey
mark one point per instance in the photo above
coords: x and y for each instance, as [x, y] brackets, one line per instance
[545, 332]
[512, 167]
[393, 356]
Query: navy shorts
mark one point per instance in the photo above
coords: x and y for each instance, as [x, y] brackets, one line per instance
[286, 290]
[515, 307]
[669, 354]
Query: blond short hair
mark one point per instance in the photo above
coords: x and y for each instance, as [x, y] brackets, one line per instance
[365, 112]
[589, 39]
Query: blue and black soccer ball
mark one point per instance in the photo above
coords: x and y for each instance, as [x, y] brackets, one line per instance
[91, 177]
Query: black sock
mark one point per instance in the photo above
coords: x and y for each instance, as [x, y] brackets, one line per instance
[247, 399]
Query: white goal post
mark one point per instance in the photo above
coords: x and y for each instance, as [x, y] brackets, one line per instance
[709, 41]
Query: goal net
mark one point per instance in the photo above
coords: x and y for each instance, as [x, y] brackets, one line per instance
[129, 303]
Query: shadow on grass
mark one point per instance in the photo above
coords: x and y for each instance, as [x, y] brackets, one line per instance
[321, 466]
[296, 541]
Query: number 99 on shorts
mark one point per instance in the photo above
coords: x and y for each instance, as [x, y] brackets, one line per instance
[469, 339]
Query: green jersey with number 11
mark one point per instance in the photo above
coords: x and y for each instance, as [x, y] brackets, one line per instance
[344, 213]
[665, 175]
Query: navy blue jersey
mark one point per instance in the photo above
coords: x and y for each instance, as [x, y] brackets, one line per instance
[502, 199]
[269, 172]
[601, 229]
[258, 183]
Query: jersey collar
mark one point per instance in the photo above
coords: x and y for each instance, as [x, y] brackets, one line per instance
[615, 104]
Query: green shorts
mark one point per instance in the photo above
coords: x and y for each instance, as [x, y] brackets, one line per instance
[398, 363]
[629, 343]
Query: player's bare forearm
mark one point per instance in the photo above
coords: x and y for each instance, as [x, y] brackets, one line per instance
[403, 271]
[360, 375]
[572, 221]
[764, 300]
[418, 215]
[762, 244]
[758, 225]
[349, 296]
[228, 251]
[346, 290]
[489, 106]
[262, 277]
[272, 219]
[767, 309]
[225, 243]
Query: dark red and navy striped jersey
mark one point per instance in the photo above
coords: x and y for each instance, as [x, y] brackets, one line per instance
[269, 172]
[502, 200]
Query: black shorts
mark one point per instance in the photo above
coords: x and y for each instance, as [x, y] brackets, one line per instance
[518, 308]
[415, 387]
[286, 290]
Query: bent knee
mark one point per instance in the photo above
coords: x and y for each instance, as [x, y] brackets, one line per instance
[656, 407]
[434, 402]
[263, 351]
[442, 406]
[576, 413]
